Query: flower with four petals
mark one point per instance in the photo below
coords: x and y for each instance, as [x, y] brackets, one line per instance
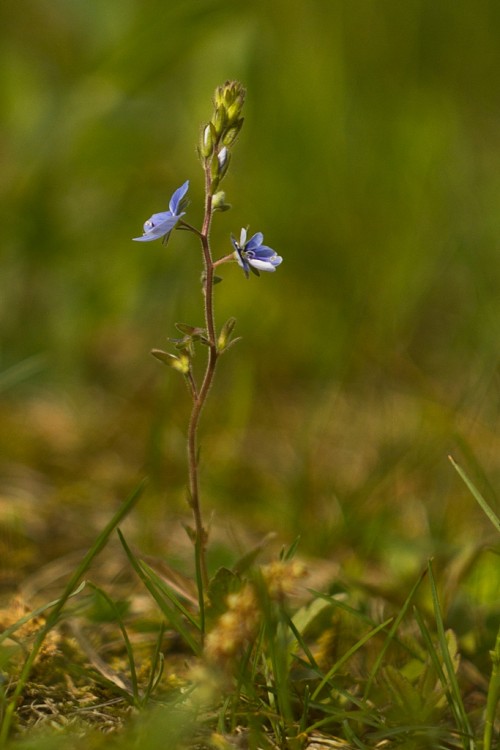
[253, 256]
[160, 225]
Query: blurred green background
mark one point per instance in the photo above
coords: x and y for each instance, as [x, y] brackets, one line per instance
[370, 159]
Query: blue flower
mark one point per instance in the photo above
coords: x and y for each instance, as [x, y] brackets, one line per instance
[160, 225]
[253, 255]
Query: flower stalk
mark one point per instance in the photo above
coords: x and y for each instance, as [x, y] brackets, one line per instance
[199, 398]
[214, 149]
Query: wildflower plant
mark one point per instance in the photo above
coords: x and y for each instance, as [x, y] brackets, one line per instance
[216, 143]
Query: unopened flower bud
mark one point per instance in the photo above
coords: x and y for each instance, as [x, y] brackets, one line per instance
[223, 159]
[219, 120]
[231, 133]
[233, 111]
[219, 202]
[207, 141]
[230, 98]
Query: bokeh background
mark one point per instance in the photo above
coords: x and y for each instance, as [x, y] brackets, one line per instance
[370, 159]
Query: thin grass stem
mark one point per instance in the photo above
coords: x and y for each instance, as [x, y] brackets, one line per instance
[128, 646]
[488, 510]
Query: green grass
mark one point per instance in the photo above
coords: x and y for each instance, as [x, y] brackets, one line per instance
[347, 665]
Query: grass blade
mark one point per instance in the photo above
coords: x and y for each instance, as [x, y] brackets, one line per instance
[348, 655]
[169, 593]
[128, 646]
[390, 635]
[157, 665]
[488, 510]
[447, 678]
[174, 614]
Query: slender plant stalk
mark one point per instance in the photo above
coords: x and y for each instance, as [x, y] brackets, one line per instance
[216, 140]
[200, 397]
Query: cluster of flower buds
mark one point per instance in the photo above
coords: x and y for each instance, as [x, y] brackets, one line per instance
[221, 132]
[216, 140]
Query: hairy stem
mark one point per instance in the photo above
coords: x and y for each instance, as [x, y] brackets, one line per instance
[200, 397]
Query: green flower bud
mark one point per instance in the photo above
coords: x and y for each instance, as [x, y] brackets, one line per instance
[207, 141]
[223, 158]
[233, 111]
[219, 120]
[230, 98]
[222, 130]
[231, 134]
[223, 94]
[219, 202]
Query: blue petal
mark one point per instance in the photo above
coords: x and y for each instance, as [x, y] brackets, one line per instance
[177, 197]
[157, 218]
[255, 241]
[158, 230]
[264, 252]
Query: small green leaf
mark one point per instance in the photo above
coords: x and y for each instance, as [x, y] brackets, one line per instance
[224, 342]
[190, 532]
[191, 331]
[180, 363]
